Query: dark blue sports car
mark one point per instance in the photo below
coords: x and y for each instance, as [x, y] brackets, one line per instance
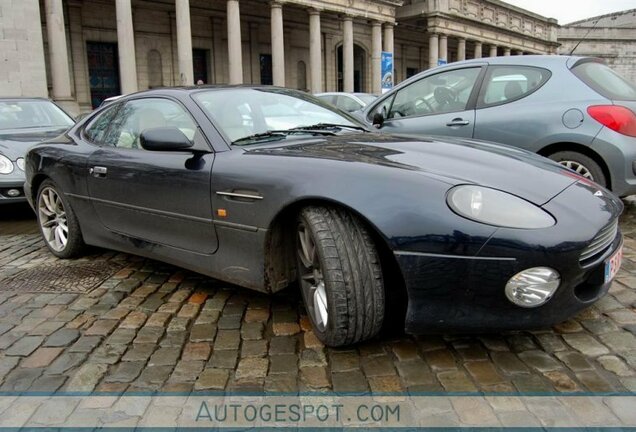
[264, 187]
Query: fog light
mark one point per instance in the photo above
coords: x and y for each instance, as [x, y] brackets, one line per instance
[13, 192]
[532, 287]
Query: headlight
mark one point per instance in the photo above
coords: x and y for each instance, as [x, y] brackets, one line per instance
[20, 163]
[6, 166]
[493, 207]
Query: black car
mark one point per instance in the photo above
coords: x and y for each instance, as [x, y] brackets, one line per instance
[263, 186]
[23, 122]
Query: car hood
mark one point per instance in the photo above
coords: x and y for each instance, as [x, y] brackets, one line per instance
[454, 161]
[14, 143]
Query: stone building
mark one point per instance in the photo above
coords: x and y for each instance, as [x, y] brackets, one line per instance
[611, 37]
[86, 50]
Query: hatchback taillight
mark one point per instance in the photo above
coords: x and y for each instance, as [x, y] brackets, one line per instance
[616, 117]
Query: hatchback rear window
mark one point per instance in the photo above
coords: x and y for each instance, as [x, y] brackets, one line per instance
[605, 81]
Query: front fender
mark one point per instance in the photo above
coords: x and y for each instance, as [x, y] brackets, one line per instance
[405, 207]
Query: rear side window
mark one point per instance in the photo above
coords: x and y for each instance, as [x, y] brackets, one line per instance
[505, 84]
[328, 98]
[605, 81]
[347, 104]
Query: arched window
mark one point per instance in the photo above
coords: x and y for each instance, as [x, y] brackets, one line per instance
[302, 75]
[155, 69]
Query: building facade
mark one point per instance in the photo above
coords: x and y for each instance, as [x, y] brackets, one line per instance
[82, 51]
[611, 37]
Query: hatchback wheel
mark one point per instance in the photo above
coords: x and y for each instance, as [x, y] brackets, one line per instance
[340, 276]
[57, 221]
[582, 165]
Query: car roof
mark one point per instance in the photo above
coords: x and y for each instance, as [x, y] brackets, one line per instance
[343, 93]
[24, 98]
[524, 60]
[193, 89]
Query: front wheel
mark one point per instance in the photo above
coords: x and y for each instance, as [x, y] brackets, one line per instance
[340, 276]
[581, 164]
[58, 223]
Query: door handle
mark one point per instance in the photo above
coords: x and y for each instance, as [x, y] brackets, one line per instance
[98, 171]
[458, 122]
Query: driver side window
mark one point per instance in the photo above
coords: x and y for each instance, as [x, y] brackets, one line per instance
[95, 132]
[441, 93]
[138, 115]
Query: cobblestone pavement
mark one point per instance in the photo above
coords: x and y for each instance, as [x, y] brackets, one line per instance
[155, 327]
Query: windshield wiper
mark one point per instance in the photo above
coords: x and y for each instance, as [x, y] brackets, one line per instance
[319, 126]
[282, 134]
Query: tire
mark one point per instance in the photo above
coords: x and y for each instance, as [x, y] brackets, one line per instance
[53, 213]
[345, 275]
[581, 164]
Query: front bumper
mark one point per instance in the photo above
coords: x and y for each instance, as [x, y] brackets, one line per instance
[466, 294]
[12, 185]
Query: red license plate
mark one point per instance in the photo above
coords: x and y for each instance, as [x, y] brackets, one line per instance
[613, 264]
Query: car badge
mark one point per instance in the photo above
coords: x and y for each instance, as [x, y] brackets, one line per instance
[598, 193]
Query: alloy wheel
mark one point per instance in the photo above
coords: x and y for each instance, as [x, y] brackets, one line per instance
[578, 168]
[312, 280]
[52, 218]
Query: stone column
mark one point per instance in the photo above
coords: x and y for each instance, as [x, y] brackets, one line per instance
[219, 52]
[388, 39]
[519, 52]
[507, 52]
[58, 54]
[234, 44]
[254, 56]
[126, 47]
[278, 44]
[347, 54]
[478, 50]
[376, 57]
[184, 42]
[330, 71]
[461, 49]
[493, 50]
[79, 76]
[315, 52]
[433, 50]
[389, 46]
[443, 47]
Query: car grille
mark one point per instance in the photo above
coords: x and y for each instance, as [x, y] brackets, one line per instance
[601, 242]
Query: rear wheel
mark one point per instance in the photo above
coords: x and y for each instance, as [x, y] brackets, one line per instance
[339, 275]
[581, 164]
[57, 221]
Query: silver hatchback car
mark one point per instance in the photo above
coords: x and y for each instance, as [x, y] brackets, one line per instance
[574, 110]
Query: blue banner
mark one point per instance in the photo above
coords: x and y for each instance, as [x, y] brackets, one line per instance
[387, 71]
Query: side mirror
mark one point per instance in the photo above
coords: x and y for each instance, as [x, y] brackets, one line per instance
[378, 120]
[164, 139]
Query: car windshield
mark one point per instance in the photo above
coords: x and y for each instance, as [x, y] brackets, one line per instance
[605, 81]
[32, 114]
[247, 112]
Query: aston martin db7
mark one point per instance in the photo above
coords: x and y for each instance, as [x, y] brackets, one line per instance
[264, 187]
